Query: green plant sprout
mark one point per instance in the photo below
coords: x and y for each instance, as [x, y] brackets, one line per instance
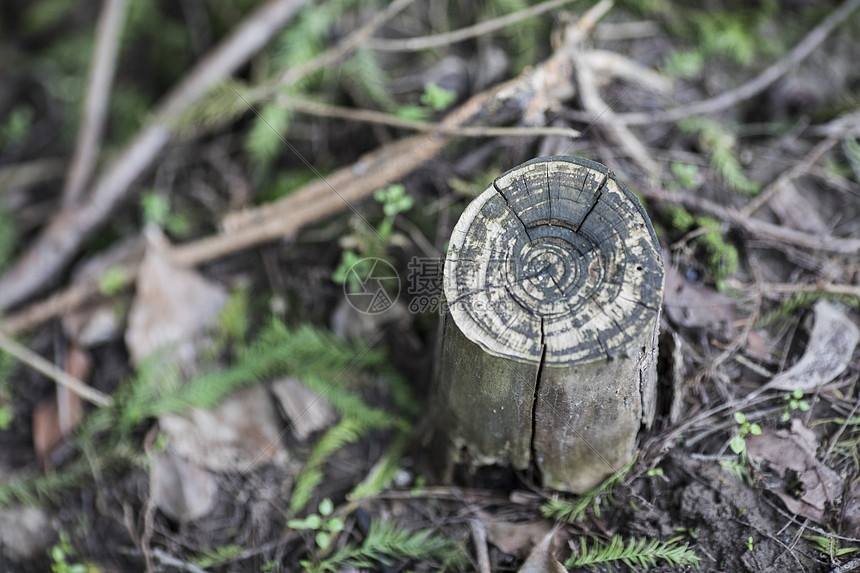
[437, 98]
[60, 555]
[793, 401]
[394, 201]
[324, 523]
[655, 472]
[433, 99]
[738, 443]
[829, 545]
[360, 266]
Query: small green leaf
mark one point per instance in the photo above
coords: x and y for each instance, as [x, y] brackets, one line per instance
[740, 418]
[755, 429]
[336, 524]
[323, 539]
[298, 524]
[738, 445]
[156, 208]
[438, 98]
[798, 393]
[314, 521]
[412, 112]
[803, 405]
[326, 507]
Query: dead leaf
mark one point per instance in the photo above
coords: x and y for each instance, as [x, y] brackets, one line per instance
[241, 433]
[180, 489]
[171, 305]
[831, 345]
[25, 533]
[516, 538]
[791, 455]
[307, 411]
[542, 558]
[696, 305]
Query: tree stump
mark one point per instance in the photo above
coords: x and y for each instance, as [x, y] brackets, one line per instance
[548, 346]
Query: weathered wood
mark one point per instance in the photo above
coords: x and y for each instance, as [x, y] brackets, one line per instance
[554, 284]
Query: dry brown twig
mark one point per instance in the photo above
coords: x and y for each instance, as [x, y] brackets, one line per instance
[108, 33]
[372, 116]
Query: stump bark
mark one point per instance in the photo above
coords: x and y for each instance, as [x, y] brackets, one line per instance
[548, 346]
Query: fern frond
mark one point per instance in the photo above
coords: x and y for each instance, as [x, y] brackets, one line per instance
[636, 553]
[347, 431]
[268, 133]
[363, 70]
[385, 542]
[225, 102]
[570, 511]
[720, 143]
[383, 472]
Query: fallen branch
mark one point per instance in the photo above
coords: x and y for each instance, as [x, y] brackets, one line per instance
[59, 241]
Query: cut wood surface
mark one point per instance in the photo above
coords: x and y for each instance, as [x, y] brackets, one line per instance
[554, 283]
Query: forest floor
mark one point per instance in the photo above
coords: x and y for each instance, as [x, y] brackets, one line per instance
[192, 376]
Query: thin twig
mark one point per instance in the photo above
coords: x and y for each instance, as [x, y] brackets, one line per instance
[447, 38]
[594, 104]
[39, 364]
[59, 241]
[757, 84]
[796, 170]
[372, 116]
[28, 173]
[793, 288]
[827, 243]
[98, 94]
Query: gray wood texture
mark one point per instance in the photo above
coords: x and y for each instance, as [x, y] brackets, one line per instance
[547, 354]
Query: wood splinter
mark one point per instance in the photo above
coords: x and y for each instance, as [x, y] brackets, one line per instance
[547, 357]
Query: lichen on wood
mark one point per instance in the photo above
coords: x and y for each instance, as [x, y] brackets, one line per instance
[554, 284]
